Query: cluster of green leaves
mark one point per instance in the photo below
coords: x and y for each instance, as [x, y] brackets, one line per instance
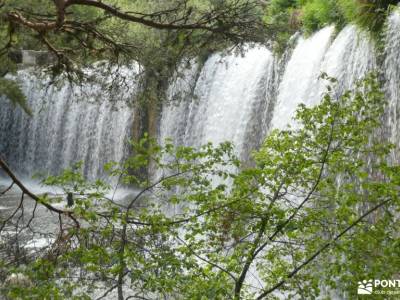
[318, 209]
[289, 16]
[11, 89]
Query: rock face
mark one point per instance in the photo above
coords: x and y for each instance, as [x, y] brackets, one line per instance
[17, 279]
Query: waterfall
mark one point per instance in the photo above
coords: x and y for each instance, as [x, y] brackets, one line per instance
[347, 58]
[70, 123]
[231, 97]
[392, 80]
[301, 76]
[174, 116]
[236, 98]
[239, 98]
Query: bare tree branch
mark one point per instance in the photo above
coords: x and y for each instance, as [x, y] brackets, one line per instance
[26, 191]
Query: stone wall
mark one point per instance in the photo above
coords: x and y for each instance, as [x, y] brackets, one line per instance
[32, 57]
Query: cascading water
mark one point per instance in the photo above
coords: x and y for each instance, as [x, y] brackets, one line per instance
[227, 101]
[301, 76]
[69, 124]
[230, 98]
[180, 94]
[233, 97]
[392, 81]
[349, 57]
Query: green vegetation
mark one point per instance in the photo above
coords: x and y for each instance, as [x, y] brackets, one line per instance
[149, 32]
[315, 211]
[288, 16]
[10, 89]
[162, 35]
[159, 35]
[316, 14]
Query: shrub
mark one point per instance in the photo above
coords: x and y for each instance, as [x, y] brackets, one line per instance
[279, 19]
[284, 17]
[368, 14]
[319, 13]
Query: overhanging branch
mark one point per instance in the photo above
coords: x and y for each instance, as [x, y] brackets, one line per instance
[25, 190]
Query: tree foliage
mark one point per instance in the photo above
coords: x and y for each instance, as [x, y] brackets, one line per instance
[158, 35]
[317, 210]
[285, 17]
[77, 30]
[10, 89]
